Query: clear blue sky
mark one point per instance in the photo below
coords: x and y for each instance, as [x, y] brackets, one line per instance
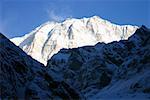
[18, 17]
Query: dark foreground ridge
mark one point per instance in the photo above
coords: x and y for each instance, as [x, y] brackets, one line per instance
[22, 77]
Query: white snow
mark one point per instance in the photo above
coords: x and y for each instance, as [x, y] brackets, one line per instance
[121, 89]
[46, 40]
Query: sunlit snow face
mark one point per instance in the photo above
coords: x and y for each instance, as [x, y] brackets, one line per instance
[46, 40]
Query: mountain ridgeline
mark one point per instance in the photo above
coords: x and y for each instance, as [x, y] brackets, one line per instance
[47, 39]
[117, 66]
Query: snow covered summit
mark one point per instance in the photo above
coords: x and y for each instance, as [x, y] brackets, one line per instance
[46, 40]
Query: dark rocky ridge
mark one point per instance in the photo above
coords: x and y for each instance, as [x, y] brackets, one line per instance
[22, 77]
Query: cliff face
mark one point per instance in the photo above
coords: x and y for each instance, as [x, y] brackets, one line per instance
[47, 39]
[22, 77]
[117, 69]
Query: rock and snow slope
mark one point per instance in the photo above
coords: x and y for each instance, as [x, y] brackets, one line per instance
[117, 70]
[111, 71]
[49, 38]
[22, 77]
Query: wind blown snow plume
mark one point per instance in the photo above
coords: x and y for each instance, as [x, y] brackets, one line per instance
[54, 16]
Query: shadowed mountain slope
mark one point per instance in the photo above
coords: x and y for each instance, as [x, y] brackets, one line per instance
[22, 77]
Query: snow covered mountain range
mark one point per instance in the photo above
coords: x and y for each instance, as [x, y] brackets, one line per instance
[87, 58]
[117, 70]
[47, 39]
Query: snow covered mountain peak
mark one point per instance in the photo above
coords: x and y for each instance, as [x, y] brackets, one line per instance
[47, 39]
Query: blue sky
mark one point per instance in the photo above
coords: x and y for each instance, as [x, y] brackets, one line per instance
[18, 17]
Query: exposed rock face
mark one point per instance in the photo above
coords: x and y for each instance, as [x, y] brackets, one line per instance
[118, 69]
[46, 40]
[22, 77]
